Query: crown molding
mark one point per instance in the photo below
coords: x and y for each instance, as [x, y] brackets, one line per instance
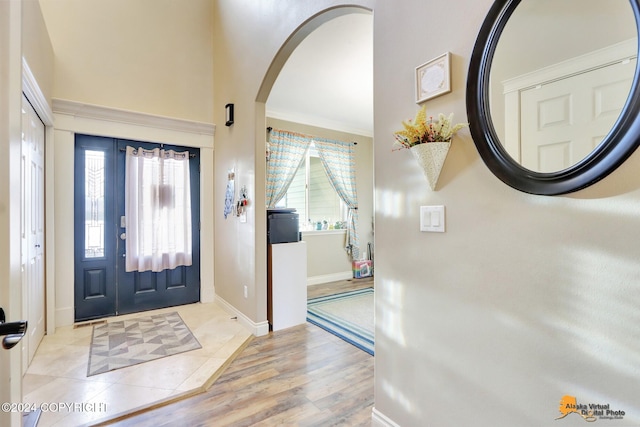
[34, 94]
[96, 112]
[616, 53]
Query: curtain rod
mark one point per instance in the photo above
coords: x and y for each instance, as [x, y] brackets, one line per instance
[269, 129]
[191, 155]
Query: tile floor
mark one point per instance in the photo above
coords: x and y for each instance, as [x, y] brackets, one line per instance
[58, 372]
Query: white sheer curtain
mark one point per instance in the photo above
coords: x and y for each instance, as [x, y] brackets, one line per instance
[157, 210]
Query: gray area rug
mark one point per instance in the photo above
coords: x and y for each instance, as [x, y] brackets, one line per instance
[349, 315]
[123, 343]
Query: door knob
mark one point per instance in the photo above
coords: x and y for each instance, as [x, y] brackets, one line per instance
[123, 236]
[13, 331]
[10, 341]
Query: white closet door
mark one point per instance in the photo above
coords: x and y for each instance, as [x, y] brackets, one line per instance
[33, 262]
[563, 121]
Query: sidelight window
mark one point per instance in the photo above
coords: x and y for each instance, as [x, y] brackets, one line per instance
[94, 204]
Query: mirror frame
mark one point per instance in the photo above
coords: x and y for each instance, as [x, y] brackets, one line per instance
[616, 147]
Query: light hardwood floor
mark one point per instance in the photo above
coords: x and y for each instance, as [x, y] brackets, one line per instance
[339, 286]
[298, 376]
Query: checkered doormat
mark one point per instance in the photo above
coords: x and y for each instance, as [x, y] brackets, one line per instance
[123, 343]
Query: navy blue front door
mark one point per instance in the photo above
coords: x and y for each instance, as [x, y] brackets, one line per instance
[102, 286]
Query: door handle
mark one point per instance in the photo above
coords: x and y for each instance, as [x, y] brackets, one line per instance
[123, 236]
[13, 331]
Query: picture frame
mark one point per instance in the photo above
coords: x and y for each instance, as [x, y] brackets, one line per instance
[433, 78]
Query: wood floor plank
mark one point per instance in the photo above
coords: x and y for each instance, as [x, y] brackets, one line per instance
[291, 416]
[332, 288]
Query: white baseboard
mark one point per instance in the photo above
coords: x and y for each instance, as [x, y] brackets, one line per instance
[207, 294]
[326, 278]
[378, 419]
[64, 316]
[257, 329]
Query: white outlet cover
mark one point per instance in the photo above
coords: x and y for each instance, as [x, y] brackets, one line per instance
[432, 219]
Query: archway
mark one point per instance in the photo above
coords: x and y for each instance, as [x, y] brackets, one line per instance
[274, 71]
[295, 39]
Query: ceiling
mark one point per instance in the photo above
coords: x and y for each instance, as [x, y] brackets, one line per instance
[523, 47]
[328, 80]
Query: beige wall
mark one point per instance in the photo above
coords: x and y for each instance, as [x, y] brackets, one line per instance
[524, 299]
[327, 260]
[151, 56]
[326, 256]
[246, 64]
[36, 47]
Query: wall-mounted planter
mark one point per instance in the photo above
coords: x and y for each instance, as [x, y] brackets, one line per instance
[431, 157]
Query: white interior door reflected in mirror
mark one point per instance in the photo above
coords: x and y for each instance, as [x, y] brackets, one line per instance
[556, 94]
[548, 32]
[562, 122]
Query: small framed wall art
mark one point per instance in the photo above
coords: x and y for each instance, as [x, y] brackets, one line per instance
[433, 78]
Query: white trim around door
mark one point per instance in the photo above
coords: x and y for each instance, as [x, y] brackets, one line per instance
[73, 117]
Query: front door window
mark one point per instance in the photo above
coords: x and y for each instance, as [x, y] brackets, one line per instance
[94, 204]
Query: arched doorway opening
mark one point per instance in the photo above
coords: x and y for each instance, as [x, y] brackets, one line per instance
[306, 47]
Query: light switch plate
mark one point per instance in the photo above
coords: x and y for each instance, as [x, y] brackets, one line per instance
[432, 218]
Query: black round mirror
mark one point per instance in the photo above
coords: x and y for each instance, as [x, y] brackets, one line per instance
[514, 165]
